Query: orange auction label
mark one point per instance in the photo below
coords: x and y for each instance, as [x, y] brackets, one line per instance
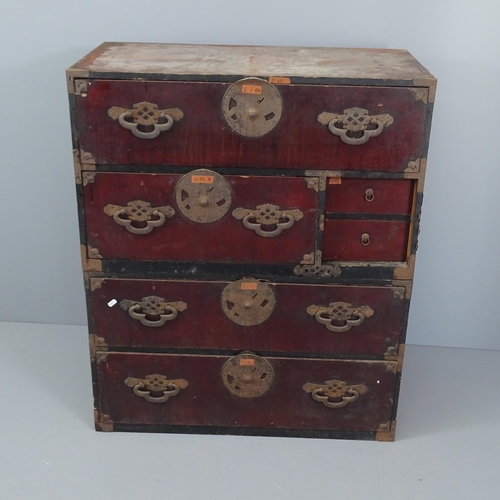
[251, 89]
[282, 80]
[249, 286]
[335, 180]
[202, 179]
[247, 362]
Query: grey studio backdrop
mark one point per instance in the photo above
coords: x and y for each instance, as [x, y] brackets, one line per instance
[455, 297]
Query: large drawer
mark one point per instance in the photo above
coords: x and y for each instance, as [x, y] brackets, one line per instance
[321, 126]
[248, 315]
[246, 391]
[201, 216]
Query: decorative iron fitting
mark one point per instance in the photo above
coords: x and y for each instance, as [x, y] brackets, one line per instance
[386, 431]
[313, 183]
[81, 87]
[316, 268]
[413, 166]
[96, 283]
[335, 393]
[146, 114]
[103, 422]
[93, 253]
[247, 375]
[248, 301]
[87, 159]
[153, 307]
[203, 196]
[252, 107]
[96, 344]
[421, 94]
[340, 312]
[88, 178]
[267, 215]
[90, 264]
[156, 388]
[139, 211]
[355, 126]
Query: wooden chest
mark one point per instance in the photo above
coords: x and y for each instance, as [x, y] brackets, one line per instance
[249, 220]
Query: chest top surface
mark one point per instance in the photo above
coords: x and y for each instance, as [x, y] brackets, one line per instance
[167, 60]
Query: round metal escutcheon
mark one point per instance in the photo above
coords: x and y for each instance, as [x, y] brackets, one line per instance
[203, 196]
[248, 301]
[247, 375]
[252, 107]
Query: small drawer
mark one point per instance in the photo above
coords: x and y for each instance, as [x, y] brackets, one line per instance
[191, 124]
[201, 216]
[370, 196]
[245, 391]
[365, 240]
[248, 314]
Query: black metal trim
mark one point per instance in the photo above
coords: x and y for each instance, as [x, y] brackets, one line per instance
[233, 352]
[419, 198]
[232, 271]
[237, 170]
[245, 431]
[294, 80]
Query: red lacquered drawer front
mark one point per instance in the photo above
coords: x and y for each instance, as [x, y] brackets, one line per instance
[205, 400]
[370, 196]
[179, 238]
[383, 240]
[203, 138]
[291, 325]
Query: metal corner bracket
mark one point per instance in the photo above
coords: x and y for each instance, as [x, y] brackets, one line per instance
[102, 422]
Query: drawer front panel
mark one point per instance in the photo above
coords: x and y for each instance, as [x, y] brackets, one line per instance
[202, 398]
[328, 319]
[370, 196]
[228, 239]
[365, 240]
[199, 135]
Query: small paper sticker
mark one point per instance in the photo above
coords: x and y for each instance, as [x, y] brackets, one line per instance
[112, 303]
[247, 362]
[283, 80]
[249, 286]
[251, 89]
[335, 180]
[202, 179]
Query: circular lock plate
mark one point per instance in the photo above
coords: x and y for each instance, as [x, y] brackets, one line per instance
[252, 107]
[203, 196]
[248, 301]
[247, 375]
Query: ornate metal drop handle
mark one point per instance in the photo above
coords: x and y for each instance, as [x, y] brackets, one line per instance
[158, 127]
[340, 311]
[156, 383]
[153, 306]
[267, 214]
[145, 114]
[335, 389]
[355, 120]
[139, 211]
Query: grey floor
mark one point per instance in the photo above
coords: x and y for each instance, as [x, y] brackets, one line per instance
[448, 439]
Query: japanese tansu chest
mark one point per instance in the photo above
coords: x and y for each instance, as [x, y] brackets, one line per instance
[249, 221]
